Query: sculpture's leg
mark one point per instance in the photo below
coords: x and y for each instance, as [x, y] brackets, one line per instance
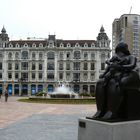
[114, 100]
[100, 99]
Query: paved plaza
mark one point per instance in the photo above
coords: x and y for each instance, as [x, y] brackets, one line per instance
[33, 121]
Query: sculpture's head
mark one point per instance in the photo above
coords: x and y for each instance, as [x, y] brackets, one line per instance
[122, 47]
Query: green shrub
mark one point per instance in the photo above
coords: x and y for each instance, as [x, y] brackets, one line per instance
[87, 94]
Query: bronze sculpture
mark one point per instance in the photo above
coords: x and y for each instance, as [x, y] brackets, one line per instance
[110, 88]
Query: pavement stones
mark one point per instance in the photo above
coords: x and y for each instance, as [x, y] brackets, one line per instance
[43, 121]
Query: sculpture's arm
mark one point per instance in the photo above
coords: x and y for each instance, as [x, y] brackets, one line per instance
[131, 65]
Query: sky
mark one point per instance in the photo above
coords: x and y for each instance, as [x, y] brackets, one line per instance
[67, 19]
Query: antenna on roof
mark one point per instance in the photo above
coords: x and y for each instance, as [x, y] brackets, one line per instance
[130, 10]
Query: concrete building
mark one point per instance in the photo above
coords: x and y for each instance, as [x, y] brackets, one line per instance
[127, 29]
[28, 66]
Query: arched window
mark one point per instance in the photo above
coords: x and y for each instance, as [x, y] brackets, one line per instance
[24, 55]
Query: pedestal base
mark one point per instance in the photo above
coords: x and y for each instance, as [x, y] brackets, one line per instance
[98, 130]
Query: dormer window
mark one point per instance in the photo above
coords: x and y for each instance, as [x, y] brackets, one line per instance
[61, 45]
[68, 45]
[25, 45]
[10, 45]
[17, 45]
[77, 45]
[34, 45]
[40, 45]
[85, 45]
[92, 45]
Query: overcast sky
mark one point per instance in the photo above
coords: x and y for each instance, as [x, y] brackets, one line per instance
[67, 19]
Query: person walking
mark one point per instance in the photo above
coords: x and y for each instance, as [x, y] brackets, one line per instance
[0, 94]
[6, 95]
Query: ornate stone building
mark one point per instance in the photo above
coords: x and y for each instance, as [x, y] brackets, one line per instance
[28, 66]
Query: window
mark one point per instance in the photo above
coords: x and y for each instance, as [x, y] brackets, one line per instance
[125, 21]
[24, 65]
[24, 76]
[17, 55]
[61, 55]
[68, 55]
[85, 55]
[85, 76]
[40, 76]
[76, 77]
[50, 55]
[16, 66]
[9, 66]
[50, 66]
[92, 66]
[24, 55]
[85, 66]
[10, 55]
[76, 66]
[33, 55]
[77, 55]
[92, 77]
[0, 75]
[0, 65]
[9, 75]
[61, 76]
[50, 76]
[92, 56]
[33, 66]
[40, 66]
[68, 76]
[67, 66]
[33, 76]
[102, 66]
[60, 66]
[16, 76]
[40, 55]
[1, 56]
[85, 88]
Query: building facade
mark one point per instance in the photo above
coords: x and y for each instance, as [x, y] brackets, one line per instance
[32, 65]
[127, 29]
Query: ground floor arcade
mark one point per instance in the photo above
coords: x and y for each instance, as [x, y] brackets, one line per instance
[27, 89]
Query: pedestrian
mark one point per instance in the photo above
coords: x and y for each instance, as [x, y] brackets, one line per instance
[6, 95]
[0, 94]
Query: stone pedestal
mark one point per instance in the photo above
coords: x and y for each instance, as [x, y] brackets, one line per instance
[99, 130]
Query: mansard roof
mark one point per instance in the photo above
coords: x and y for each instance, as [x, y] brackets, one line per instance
[58, 42]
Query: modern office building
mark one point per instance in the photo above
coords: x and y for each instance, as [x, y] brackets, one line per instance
[127, 29]
[28, 66]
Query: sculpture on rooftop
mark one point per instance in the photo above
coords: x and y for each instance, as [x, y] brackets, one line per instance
[110, 89]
